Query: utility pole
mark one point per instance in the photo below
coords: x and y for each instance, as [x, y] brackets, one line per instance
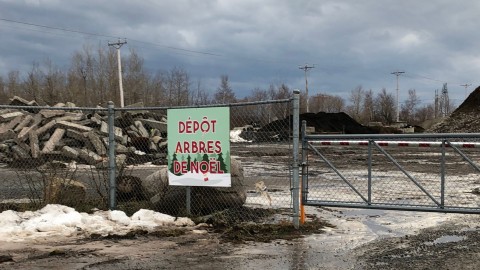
[83, 71]
[398, 73]
[117, 45]
[466, 86]
[305, 68]
[445, 101]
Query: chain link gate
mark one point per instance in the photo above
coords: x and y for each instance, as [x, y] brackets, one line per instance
[413, 172]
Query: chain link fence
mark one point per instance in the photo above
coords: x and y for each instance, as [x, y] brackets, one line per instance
[60, 155]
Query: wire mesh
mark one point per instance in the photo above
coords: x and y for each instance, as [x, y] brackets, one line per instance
[60, 155]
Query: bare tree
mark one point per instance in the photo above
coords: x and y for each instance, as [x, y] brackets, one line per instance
[260, 114]
[281, 110]
[13, 83]
[200, 97]
[224, 93]
[54, 85]
[385, 106]
[178, 87]
[77, 79]
[32, 84]
[3, 91]
[157, 90]
[408, 109]
[357, 97]
[327, 103]
[425, 113]
[258, 95]
[135, 79]
[368, 111]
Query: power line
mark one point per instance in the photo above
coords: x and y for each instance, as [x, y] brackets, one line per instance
[418, 76]
[197, 52]
[106, 36]
[414, 76]
[175, 48]
[58, 28]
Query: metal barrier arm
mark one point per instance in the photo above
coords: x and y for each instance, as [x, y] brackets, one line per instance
[337, 172]
[406, 173]
[324, 137]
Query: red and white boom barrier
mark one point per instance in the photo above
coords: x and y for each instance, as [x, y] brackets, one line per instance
[399, 143]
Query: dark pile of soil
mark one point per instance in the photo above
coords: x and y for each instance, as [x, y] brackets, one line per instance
[244, 224]
[323, 123]
[465, 119]
[246, 232]
[471, 104]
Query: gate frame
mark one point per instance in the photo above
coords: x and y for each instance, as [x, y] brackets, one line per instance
[372, 142]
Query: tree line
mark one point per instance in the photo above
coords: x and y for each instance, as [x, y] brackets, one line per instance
[91, 79]
[366, 107]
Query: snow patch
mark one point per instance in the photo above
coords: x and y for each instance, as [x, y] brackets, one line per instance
[59, 220]
[235, 136]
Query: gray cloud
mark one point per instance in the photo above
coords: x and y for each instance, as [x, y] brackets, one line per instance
[262, 42]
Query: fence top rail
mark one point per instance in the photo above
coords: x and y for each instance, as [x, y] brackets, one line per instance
[28, 107]
[205, 105]
[310, 137]
[21, 107]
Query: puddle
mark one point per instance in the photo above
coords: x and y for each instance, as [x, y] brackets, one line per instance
[375, 227]
[363, 212]
[311, 252]
[446, 239]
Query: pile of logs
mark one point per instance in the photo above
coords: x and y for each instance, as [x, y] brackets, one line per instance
[79, 135]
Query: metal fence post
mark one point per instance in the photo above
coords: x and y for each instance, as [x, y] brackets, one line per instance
[303, 163]
[295, 166]
[112, 188]
[442, 175]
[369, 180]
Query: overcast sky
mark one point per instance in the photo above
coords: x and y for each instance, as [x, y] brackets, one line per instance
[262, 42]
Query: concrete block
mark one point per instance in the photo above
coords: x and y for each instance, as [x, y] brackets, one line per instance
[69, 125]
[53, 141]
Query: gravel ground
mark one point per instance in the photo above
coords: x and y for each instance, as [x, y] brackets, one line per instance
[454, 245]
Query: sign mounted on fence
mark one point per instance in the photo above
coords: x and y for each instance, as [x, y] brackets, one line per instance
[199, 147]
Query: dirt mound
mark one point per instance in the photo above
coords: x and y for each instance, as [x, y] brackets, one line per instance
[465, 119]
[471, 103]
[324, 123]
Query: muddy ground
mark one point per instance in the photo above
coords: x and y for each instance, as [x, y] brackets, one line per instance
[453, 243]
[449, 246]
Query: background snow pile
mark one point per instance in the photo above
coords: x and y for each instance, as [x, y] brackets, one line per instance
[235, 136]
[59, 220]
